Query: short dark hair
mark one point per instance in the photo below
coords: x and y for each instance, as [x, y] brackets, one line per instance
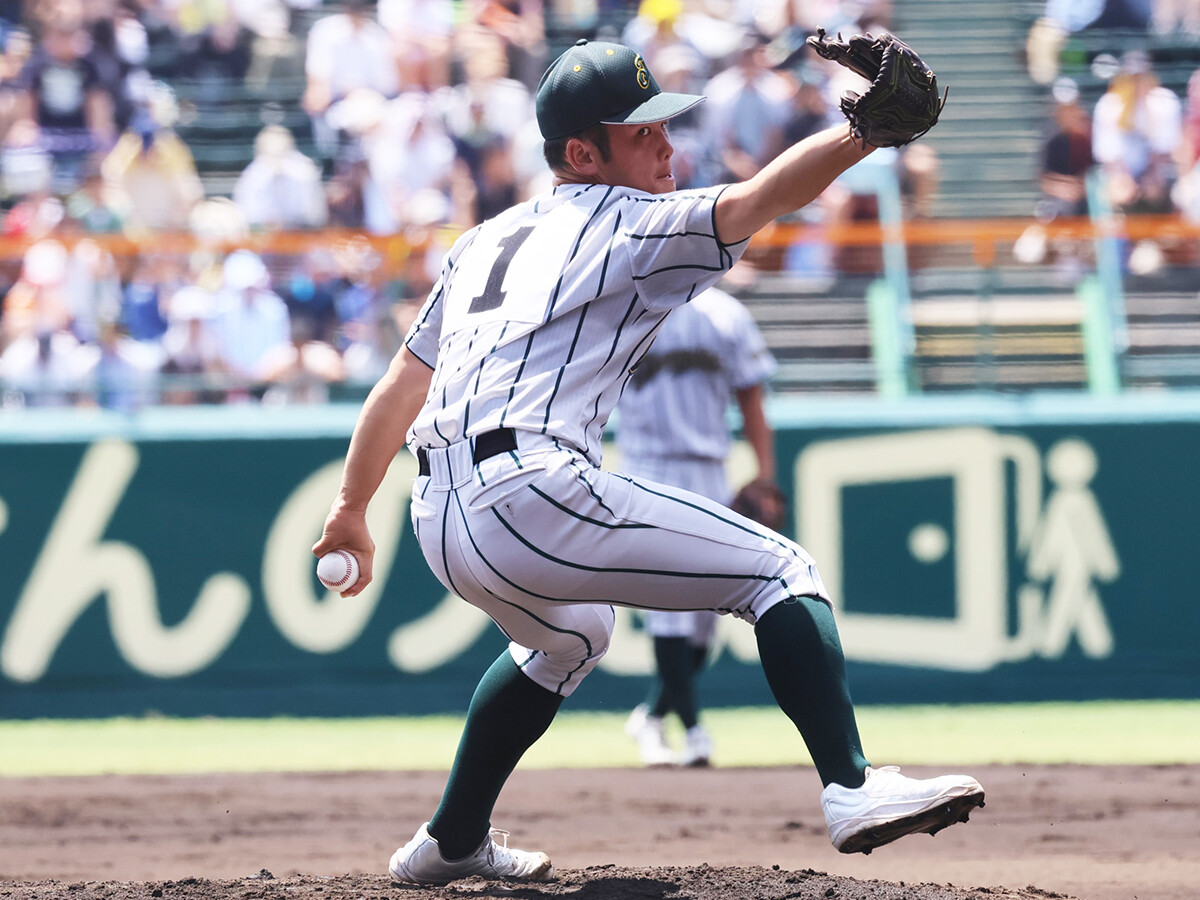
[555, 151]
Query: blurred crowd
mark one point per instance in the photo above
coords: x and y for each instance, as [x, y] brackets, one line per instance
[415, 122]
[419, 123]
[1134, 148]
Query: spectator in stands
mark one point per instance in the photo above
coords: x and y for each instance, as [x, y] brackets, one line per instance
[1188, 153]
[345, 51]
[1136, 130]
[302, 370]
[192, 363]
[422, 33]
[521, 24]
[311, 293]
[38, 304]
[144, 307]
[28, 177]
[366, 359]
[487, 102]
[150, 174]
[353, 198]
[92, 287]
[281, 188]
[1066, 156]
[251, 320]
[89, 207]
[748, 106]
[10, 14]
[362, 298]
[482, 116]
[412, 161]
[116, 372]
[655, 31]
[1186, 194]
[17, 48]
[64, 95]
[1172, 16]
[39, 369]
[119, 52]
[276, 55]
[355, 195]
[810, 111]
[1076, 15]
[215, 58]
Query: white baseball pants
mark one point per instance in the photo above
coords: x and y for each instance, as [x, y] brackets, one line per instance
[546, 544]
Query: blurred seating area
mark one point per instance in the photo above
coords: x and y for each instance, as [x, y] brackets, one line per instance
[214, 201]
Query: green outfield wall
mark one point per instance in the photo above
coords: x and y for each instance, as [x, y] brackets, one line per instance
[978, 550]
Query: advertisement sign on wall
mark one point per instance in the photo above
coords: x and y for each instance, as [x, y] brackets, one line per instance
[968, 562]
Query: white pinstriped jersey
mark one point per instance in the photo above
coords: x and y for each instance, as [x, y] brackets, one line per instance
[541, 312]
[676, 403]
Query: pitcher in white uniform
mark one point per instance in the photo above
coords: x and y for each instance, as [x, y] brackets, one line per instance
[502, 391]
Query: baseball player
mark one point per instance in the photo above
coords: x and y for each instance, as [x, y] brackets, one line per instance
[673, 429]
[502, 390]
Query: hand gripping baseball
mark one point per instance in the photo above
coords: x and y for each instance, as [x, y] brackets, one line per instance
[902, 102]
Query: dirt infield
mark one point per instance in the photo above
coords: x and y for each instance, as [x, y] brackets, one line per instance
[1112, 833]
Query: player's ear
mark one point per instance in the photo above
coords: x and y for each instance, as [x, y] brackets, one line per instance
[582, 156]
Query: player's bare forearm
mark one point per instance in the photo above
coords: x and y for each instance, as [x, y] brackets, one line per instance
[382, 426]
[790, 181]
[757, 430]
[378, 436]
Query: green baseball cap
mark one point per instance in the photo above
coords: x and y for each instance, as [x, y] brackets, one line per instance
[596, 82]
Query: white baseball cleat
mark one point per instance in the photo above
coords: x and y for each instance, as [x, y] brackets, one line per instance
[650, 734]
[420, 861]
[637, 720]
[890, 805]
[697, 748]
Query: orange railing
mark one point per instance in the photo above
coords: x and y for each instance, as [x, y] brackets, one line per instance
[981, 235]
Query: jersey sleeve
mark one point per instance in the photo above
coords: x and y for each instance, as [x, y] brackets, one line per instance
[673, 246]
[425, 333]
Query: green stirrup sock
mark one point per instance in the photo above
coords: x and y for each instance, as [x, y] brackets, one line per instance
[674, 658]
[802, 659]
[507, 714]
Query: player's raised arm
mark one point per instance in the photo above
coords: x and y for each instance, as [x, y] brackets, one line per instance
[793, 179]
[378, 436]
[901, 104]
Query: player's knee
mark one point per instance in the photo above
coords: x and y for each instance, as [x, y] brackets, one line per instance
[564, 658]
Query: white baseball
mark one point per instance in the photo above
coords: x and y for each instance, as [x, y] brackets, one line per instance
[337, 570]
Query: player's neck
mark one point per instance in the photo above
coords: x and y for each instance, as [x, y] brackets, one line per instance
[561, 179]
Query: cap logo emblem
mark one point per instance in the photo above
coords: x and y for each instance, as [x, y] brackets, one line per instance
[643, 77]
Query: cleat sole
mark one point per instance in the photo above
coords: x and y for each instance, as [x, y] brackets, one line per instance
[930, 821]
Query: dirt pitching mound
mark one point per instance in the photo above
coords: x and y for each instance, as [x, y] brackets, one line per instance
[593, 883]
[1093, 833]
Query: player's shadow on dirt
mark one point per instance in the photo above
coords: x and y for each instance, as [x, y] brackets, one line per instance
[612, 888]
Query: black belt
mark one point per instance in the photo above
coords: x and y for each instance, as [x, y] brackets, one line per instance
[487, 445]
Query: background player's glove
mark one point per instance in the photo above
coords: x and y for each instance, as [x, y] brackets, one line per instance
[902, 102]
[762, 501]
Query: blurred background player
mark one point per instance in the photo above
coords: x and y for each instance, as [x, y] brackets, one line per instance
[674, 429]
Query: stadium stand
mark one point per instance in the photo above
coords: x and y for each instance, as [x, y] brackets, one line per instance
[976, 311]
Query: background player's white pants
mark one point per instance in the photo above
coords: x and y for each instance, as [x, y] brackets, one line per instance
[546, 544]
[702, 476]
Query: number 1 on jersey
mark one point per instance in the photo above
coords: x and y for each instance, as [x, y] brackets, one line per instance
[493, 293]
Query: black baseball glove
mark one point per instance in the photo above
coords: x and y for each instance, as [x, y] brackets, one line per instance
[902, 102]
[762, 501]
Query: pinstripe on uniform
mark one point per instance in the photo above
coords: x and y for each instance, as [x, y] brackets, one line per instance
[535, 324]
